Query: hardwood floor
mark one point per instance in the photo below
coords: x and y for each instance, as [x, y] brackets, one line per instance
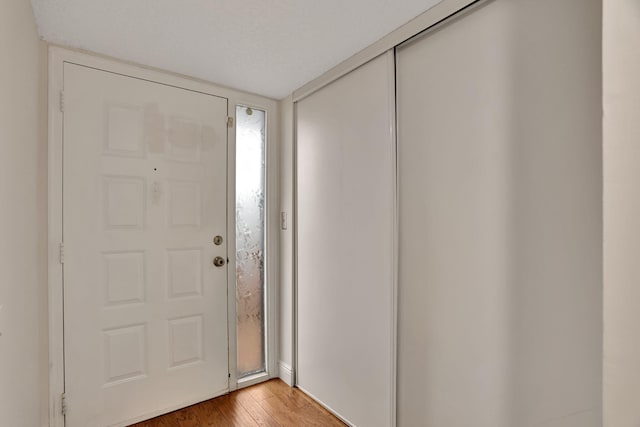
[270, 404]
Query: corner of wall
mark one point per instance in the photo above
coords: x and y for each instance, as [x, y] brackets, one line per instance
[285, 373]
[285, 303]
[23, 195]
[621, 132]
[43, 176]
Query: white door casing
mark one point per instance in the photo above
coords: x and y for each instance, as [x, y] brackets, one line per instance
[144, 193]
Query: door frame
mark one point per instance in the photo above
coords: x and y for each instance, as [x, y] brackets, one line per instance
[57, 58]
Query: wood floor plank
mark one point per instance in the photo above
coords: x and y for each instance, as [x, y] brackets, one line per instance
[319, 416]
[186, 417]
[166, 420]
[262, 417]
[210, 414]
[269, 404]
[292, 396]
[259, 391]
[280, 412]
[235, 412]
[308, 412]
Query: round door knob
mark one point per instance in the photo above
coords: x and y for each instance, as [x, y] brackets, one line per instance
[218, 261]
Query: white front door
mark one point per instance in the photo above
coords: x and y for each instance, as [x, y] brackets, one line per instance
[145, 193]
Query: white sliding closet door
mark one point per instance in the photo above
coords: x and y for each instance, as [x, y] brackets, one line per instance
[500, 190]
[345, 190]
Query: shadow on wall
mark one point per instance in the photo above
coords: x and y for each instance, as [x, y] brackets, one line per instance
[556, 221]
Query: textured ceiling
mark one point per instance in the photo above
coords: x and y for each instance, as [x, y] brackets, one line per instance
[269, 47]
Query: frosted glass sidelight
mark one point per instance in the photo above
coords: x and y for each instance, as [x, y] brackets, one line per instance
[250, 295]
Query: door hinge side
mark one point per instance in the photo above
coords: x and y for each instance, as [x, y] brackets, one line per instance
[62, 101]
[63, 404]
[61, 254]
[229, 122]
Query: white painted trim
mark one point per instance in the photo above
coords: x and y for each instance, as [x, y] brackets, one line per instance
[231, 248]
[422, 22]
[294, 242]
[115, 65]
[272, 239]
[391, 61]
[286, 374]
[253, 379]
[54, 238]
[57, 57]
[294, 266]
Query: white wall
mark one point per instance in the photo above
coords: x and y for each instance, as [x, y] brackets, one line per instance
[23, 217]
[621, 66]
[286, 240]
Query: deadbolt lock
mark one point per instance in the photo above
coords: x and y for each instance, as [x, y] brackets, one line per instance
[217, 240]
[218, 261]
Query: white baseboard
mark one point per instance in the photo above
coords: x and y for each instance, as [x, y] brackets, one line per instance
[286, 373]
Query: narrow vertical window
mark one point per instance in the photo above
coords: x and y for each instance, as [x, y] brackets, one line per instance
[250, 237]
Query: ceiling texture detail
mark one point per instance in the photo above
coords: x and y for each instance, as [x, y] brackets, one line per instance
[268, 47]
